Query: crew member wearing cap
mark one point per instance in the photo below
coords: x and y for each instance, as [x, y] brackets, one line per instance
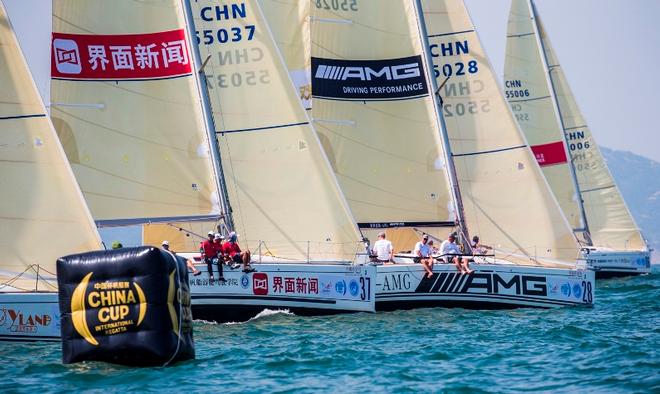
[383, 249]
[449, 250]
[189, 262]
[423, 255]
[233, 251]
[218, 255]
[208, 253]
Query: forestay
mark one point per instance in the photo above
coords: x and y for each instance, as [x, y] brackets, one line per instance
[43, 215]
[376, 117]
[285, 199]
[127, 109]
[506, 199]
[610, 222]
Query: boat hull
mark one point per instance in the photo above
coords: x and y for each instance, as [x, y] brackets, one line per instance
[29, 317]
[303, 289]
[614, 264]
[491, 286]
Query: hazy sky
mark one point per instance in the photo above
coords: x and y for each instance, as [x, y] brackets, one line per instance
[609, 50]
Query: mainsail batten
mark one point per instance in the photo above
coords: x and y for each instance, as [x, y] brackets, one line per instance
[609, 221]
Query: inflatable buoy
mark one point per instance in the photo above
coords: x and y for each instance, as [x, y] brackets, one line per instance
[127, 306]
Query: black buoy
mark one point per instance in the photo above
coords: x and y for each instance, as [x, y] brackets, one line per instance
[127, 306]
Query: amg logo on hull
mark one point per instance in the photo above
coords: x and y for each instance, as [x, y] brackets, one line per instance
[363, 80]
[484, 283]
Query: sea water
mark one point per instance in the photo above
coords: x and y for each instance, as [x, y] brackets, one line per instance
[613, 347]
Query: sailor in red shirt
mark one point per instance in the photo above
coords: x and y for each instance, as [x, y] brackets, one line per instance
[233, 251]
[209, 250]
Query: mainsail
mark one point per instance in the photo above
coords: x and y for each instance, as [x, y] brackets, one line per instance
[43, 215]
[549, 112]
[127, 108]
[375, 114]
[285, 199]
[507, 201]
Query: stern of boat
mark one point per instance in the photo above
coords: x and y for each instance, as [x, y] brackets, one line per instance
[609, 263]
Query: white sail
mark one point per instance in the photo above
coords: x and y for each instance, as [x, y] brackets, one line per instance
[42, 215]
[609, 221]
[376, 117]
[289, 21]
[127, 109]
[284, 197]
[506, 199]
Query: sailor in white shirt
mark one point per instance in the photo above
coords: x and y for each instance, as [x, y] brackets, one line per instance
[423, 255]
[452, 252]
[383, 249]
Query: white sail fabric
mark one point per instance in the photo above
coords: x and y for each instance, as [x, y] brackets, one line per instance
[281, 187]
[42, 215]
[289, 23]
[532, 102]
[506, 199]
[127, 109]
[610, 223]
[380, 133]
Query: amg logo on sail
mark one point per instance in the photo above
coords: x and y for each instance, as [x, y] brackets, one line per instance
[389, 73]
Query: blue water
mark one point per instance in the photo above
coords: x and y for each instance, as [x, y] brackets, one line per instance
[614, 347]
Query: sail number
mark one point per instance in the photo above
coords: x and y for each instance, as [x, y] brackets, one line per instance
[365, 287]
[337, 5]
[222, 36]
[458, 69]
[517, 93]
[238, 79]
[471, 107]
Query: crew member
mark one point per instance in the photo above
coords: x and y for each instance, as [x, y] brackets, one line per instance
[383, 249]
[423, 255]
[233, 251]
[189, 262]
[209, 253]
[450, 250]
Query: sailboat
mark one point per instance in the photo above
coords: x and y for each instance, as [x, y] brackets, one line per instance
[43, 214]
[548, 114]
[282, 197]
[410, 163]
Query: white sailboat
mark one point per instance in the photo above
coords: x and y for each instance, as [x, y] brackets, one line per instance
[540, 96]
[282, 196]
[404, 171]
[43, 214]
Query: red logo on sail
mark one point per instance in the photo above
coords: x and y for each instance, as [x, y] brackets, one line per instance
[550, 154]
[260, 283]
[127, 56]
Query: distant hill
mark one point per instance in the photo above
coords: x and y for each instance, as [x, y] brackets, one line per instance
[639, 181]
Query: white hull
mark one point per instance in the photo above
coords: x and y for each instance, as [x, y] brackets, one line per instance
[304, 289]
[610, 263]
[491, 286]
[29, 317]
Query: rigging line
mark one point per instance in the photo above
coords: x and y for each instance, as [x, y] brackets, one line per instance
[529, 99]
[262, 128]
[489, 151]
[22, 116]
[450, 34]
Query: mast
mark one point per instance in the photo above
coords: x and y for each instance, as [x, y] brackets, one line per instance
[208, 121]
[555, 103]
[449, 160]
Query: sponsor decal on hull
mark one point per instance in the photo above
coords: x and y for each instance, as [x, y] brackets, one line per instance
[387, 79]
[18, 321]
